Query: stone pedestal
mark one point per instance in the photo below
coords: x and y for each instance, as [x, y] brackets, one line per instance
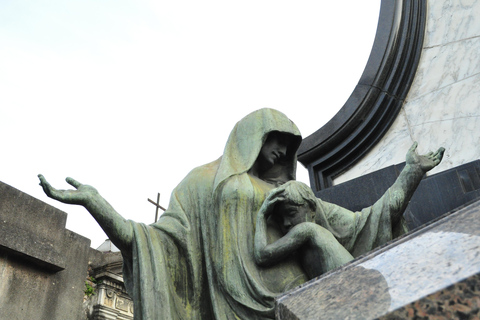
[434, 271]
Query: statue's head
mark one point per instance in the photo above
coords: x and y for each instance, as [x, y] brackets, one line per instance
[276, 150]
[297, 204]
[266, 135]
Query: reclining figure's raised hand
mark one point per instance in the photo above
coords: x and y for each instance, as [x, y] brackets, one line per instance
[410, 177]
[424, 162]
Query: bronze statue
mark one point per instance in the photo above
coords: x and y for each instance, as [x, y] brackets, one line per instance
[198, 261]
[295, 209]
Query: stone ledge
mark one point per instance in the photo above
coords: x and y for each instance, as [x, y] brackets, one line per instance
[31, 247]
[42, 264]
[20, 209]
[109, 275]
[458, 301]
[402, 273]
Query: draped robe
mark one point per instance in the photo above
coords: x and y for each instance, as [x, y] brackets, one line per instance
[197, 261]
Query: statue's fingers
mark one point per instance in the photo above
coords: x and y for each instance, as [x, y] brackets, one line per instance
[414, 146]
[45, 185]
[42, 179]
[276, 200]
[49, 190]
[273, 203]
[73, 182]
[275, 193]
[439, 154]
[65, 196]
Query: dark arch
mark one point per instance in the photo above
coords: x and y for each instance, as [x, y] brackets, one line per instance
[376, 100]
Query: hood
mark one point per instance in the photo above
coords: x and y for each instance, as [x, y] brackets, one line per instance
[247, 138]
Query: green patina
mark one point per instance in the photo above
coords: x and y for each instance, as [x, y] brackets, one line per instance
[197, 261]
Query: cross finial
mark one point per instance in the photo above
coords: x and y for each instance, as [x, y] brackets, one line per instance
[157, 205]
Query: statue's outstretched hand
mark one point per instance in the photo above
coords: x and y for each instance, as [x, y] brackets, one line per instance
[425, 162]
[81, 195]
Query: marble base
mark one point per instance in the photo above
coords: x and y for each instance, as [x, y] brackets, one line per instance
[417, 274]
[458, 301]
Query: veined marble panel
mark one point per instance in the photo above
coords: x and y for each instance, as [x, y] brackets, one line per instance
[460, 137]
[443, 105]
[449, 117]
[445, 65]
[458, 301]
[460, 100]
[438, 253]
[453, 20]
[390, 150]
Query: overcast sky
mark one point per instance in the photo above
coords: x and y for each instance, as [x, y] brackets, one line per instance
[129, 96]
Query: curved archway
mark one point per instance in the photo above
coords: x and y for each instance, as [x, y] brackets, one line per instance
[376, 100]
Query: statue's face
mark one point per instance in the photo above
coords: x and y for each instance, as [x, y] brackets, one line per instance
[289, 215]
[274, 148]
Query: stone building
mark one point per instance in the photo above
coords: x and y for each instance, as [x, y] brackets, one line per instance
[110, 299]
[43, 266]
[46, 271]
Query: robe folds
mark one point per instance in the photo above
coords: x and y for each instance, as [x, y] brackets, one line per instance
[197, 261]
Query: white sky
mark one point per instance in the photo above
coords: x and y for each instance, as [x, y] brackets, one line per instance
[129, 96]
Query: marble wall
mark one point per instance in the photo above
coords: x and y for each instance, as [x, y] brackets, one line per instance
[443, 105]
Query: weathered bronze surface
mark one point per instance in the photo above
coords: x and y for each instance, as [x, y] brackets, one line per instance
[198, 260]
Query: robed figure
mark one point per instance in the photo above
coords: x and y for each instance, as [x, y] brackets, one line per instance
[197, 261]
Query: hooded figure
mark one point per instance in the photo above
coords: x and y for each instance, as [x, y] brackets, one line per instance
[197, 261]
